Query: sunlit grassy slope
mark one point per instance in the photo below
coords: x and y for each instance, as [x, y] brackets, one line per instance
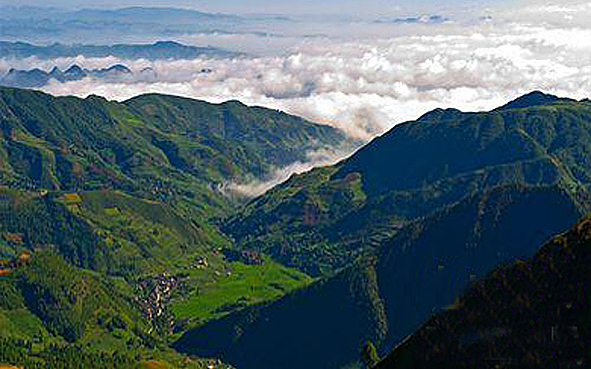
[117, 195]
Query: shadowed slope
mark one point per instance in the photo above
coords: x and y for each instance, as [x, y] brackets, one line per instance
[533, 313]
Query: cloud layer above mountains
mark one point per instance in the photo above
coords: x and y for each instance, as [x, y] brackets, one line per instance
[366, 77]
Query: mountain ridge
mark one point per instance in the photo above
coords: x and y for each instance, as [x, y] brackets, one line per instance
[159, 50]
[197, 128]
[390, 180]
[534, 98]
[437, 202]
[35, 78]
[98, 194]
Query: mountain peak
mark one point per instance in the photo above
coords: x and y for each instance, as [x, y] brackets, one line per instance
[118, 68]
[55, 71]
[167, 44]
[440, 113]
[74, 69]
[532, 99]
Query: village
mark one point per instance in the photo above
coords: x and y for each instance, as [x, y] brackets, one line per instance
[155, 293]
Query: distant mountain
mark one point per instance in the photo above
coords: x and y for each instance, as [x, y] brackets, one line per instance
[39, 78]
[132, 24]
[25, 78]
[156, 51]
[28, 12]
[532, 313]
[147, 14]
[421, 19]
[421, 211]
[73, 73]
[114, 70]
[133, 13]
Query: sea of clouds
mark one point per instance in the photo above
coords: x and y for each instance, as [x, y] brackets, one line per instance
[363, 77]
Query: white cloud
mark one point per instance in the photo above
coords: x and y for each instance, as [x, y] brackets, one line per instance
[257, 187]
[366, 87]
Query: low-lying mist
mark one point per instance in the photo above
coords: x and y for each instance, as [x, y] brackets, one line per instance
[255, 187]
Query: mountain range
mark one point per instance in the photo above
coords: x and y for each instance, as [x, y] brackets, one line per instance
[119, 239]
[420, 212]
[337, 213]
[62, 143]
[160, 50]
[130, 24]
[39, 78]
[421, 19]
[123, 198]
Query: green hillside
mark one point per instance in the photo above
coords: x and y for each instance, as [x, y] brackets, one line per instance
[322, 220]
[232, 139]
[533, 313]
[155, 146]
[500, 196]
[127, 188]
[384, 298]
[116, 204]
[106, 231]
[55, 315]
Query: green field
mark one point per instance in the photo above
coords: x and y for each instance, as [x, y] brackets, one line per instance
[241, 285]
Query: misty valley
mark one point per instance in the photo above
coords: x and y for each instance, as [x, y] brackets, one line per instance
[406, 188]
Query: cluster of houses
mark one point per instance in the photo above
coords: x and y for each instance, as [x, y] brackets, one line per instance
[157, 291]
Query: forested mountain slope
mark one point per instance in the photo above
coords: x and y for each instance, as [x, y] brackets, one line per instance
[154, 146]
[533, 313]
[321, 220]
[112, 207]
[383, 298]
[496, 188]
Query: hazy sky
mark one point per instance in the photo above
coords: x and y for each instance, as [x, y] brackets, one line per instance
[266, 6]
